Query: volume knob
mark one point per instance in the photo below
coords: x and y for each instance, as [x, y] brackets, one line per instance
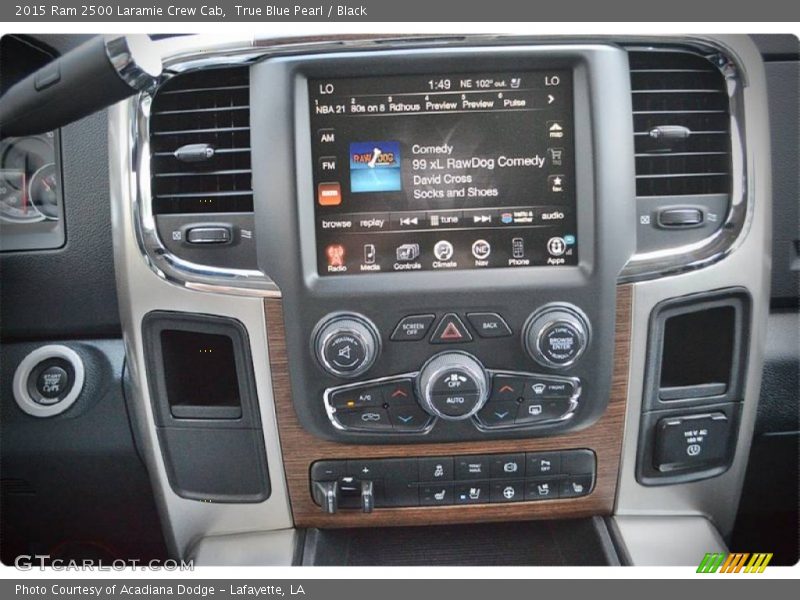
[346, 345]
[453, 386]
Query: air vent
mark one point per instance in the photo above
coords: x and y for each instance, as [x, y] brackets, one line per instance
[200, 143]
[681, 121]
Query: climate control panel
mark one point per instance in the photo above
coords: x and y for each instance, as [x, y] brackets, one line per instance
[453, 386]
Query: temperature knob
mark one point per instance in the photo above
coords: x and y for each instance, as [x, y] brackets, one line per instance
[346, 344]
[453, 385]
[556, 335]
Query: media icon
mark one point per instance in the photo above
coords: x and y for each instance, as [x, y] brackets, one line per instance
[481, 249]
[369, 254]
[518, 247]
[443, 250]
[335, 254]
[407, 252]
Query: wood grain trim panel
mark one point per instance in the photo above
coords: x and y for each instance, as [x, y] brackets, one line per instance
[300, 449]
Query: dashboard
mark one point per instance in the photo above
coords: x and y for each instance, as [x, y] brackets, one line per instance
[390, 282]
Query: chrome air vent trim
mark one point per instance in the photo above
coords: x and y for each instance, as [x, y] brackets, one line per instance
[242, 282]
[729, 236]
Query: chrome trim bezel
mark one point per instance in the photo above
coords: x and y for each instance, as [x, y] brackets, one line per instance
[247, 282]
[729, 236]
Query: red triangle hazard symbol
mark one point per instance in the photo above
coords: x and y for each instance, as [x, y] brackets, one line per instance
[451, 332]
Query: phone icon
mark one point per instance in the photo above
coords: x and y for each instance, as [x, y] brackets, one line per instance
[518, 247]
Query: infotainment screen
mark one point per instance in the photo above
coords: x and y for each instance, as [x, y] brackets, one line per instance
[446, 172]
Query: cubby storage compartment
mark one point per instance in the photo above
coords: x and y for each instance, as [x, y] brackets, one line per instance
[203, 393]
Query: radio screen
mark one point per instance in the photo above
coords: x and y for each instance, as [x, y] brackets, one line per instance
[419, 173]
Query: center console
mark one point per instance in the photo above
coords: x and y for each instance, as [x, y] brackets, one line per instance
[465, 280]
[449, 269]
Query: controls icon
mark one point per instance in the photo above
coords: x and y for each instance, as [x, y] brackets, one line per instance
[556, 246]
[407, 252]
[335, 254]
[481, 249]
[443, 250]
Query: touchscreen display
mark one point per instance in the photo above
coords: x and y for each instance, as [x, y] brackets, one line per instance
[420, 173]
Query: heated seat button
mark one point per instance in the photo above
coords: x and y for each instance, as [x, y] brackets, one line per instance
[684, 442]
[573, 486]
[542, 489]
[474, 492]
[489, 325]
[370, 419]
[436, 495]
[412, 328]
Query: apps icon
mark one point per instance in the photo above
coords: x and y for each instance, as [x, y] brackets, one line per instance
[481, 249]
[335, 254]
[556, 246]
[443, 250]
[407, 252]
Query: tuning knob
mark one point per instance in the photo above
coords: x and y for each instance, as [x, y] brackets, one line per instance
[346, 344]
[556, 335]
[453, 385]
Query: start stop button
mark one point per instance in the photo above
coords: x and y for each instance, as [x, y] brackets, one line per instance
[48, 380]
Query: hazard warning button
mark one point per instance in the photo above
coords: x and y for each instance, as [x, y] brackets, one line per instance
[450, 330]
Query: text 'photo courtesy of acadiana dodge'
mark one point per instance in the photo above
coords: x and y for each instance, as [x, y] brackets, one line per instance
[432, 173]
[147, 589]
